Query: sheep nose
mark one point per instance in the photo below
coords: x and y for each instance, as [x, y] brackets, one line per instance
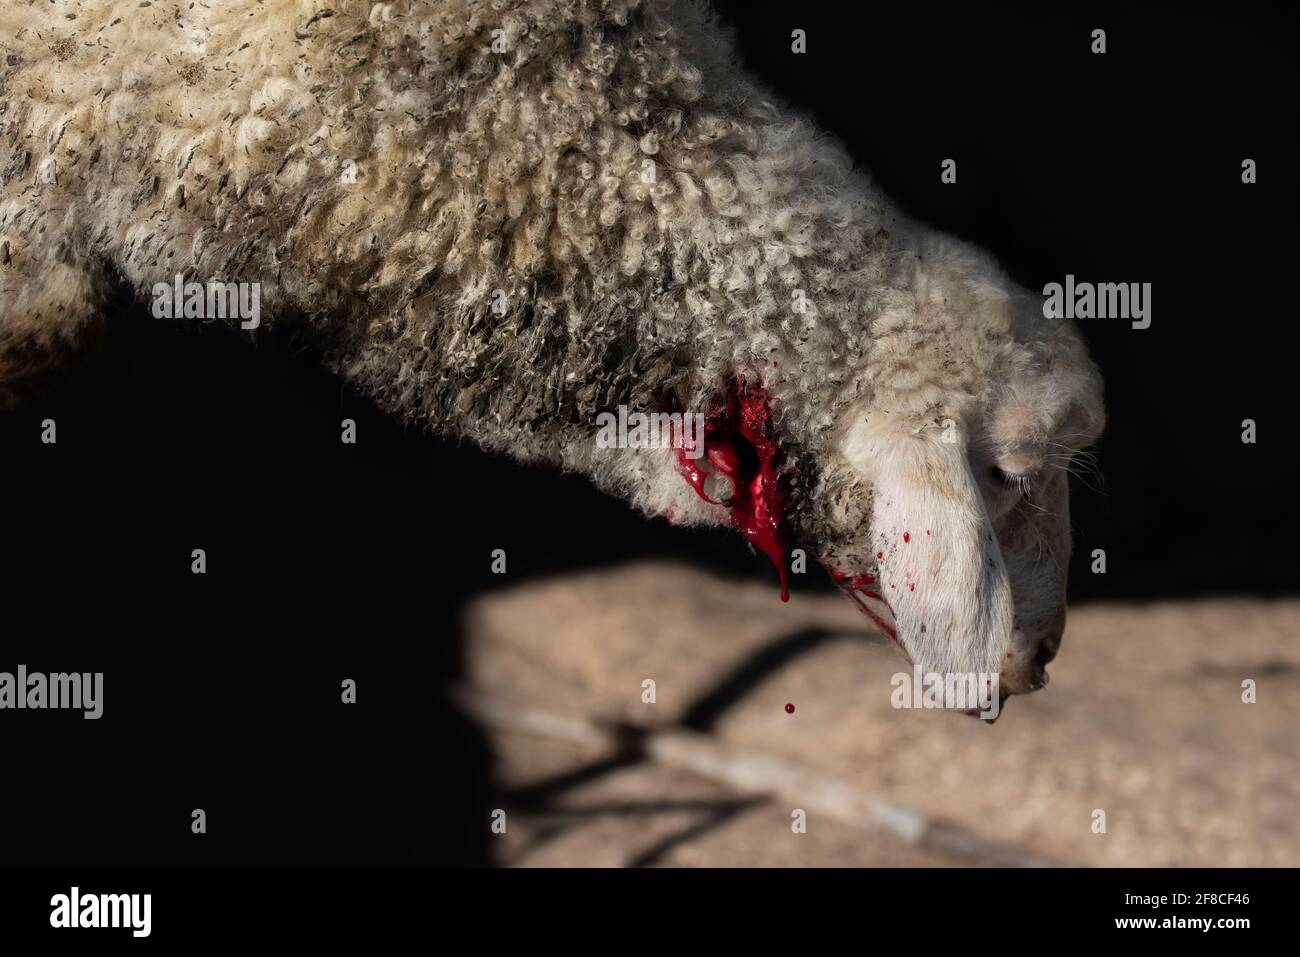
[1051, 641]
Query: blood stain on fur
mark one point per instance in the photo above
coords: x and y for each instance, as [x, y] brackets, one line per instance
[740, 442]
[907, 536]
[855, 582]
[858, 583]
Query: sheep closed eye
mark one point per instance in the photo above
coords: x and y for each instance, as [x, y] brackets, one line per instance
[1016, 480]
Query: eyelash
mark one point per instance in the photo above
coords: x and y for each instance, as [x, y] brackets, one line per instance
[1018, 482]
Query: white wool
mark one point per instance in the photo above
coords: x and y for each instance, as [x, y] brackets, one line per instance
[499, 243]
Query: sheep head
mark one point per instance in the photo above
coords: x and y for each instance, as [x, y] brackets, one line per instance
[939, 501]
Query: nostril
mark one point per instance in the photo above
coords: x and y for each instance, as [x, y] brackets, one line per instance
[1048, 647]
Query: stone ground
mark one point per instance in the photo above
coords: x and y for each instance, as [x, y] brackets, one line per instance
[1143, 720]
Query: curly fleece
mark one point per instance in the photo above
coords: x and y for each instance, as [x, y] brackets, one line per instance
[653, 222]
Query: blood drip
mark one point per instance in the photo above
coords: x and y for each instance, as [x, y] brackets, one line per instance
[740, 441]
[857, 583]
[864, 584]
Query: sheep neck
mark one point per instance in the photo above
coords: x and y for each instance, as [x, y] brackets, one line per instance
[740, 442]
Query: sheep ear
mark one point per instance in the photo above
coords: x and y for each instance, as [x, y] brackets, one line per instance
[941, 570]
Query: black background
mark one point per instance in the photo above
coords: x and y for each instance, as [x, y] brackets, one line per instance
[328, 561]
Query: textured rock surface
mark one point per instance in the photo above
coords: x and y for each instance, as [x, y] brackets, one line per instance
[1143, 719]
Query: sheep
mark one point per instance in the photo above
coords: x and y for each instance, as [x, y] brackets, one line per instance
[504, 219]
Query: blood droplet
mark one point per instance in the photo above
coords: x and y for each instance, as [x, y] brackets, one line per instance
[789, 709]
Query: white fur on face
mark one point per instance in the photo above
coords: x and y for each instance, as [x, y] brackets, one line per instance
[940, 568]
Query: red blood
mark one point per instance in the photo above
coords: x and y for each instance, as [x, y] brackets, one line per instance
[911, 586]
[789, 709]
[758, 504]
[690, 468]
[886, 628]
[856, 583]
[907, 537]
[880, 554]
[723, 455]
